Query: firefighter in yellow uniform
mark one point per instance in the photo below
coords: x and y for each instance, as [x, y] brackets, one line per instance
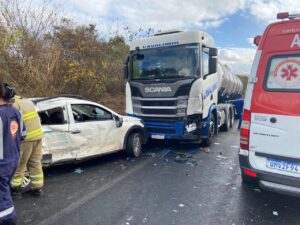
[31, 150]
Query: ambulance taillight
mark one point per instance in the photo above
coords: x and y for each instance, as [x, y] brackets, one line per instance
[245, 130]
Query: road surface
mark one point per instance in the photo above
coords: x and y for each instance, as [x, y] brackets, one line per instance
[170, 184]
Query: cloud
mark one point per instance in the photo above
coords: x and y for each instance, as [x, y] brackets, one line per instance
[239, 60]
[158, 14]
[266, 10]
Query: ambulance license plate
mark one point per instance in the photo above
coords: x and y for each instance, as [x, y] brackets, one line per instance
[158, 136]
[283, 165]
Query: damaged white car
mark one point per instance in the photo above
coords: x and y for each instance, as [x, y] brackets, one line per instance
[76, 129]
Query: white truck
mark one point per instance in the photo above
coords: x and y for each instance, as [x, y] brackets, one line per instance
[178, 88]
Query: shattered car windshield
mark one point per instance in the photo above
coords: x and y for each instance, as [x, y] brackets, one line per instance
[163, 63]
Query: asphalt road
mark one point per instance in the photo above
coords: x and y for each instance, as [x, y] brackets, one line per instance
[171, 183]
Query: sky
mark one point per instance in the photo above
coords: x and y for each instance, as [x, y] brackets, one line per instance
[232, 23]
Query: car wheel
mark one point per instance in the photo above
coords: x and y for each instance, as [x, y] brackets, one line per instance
[211, 132]
[134, 145]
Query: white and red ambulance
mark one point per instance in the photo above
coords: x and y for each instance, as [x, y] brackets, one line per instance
[270, 133]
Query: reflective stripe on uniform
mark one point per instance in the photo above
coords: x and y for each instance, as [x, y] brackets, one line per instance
[37, 180]
[30, 115]
[1, 139]
[16, 182]
[7, 212]
[34, 133]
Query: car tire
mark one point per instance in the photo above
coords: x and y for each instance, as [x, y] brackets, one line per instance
[134, 144]
[211, 133]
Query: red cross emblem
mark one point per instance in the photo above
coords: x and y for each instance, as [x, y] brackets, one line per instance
[287, 73]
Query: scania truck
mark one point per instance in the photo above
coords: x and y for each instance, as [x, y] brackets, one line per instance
[176, 85]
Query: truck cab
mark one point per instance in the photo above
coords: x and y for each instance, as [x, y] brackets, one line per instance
[165, 76]
[269, 149]
[173, 83]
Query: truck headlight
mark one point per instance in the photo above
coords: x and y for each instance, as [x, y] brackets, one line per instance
[181, 111]
[191, 127]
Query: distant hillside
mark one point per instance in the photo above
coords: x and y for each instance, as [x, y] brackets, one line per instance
[244, 79]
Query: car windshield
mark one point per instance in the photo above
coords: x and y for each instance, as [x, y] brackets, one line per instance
[163, 63]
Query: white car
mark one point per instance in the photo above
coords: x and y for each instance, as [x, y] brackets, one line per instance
[76, 129]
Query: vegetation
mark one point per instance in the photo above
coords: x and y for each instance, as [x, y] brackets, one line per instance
[43, 54]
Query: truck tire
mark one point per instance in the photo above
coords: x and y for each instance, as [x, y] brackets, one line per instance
[231, 117]
[211, 132]
[134, 144]
[227, 124]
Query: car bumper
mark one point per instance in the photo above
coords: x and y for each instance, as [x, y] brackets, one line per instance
[271, 181]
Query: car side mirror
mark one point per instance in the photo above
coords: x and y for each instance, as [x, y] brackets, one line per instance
[119, 121]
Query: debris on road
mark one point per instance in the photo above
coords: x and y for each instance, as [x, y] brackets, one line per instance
[150, 154]
[257, 190]
[220, 157]
[205, 149]
[129, 218]
[154, 164]
[275, 213]
[216, 143]
[175, 210]
[234, 146]
[78, 170]
[181, 205]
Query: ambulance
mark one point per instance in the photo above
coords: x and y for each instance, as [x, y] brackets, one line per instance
[270, 133]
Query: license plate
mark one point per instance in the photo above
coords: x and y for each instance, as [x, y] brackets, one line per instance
[283, 165]
[158, 136]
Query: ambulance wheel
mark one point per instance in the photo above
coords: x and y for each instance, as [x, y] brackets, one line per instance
[134, 144]
[247, 180]
[211, 132]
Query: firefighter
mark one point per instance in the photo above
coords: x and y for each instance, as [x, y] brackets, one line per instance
[11, 132]
[31, 151]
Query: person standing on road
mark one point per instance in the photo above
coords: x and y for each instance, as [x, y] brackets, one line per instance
[11, 133]
[31, 150]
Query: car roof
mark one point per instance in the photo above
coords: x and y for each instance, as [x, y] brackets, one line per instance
[49, 103]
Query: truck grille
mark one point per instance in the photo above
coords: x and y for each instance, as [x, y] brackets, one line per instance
[160, 107]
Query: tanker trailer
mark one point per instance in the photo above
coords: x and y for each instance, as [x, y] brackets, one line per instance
[176, 85]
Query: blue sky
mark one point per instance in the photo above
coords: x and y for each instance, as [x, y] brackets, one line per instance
[232, 23]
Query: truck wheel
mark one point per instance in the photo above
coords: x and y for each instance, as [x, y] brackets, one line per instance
[134, 145]
[231, 118]
[227, 124]
[211, 131]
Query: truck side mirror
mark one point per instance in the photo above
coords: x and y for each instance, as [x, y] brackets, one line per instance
[212, 65]
[126, 68]
[213, 52]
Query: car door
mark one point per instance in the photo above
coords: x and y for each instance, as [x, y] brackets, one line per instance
[56, 137]
[275, 114]
[93, 130]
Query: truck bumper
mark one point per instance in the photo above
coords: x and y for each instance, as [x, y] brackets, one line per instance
[271, 181]
[170, 130]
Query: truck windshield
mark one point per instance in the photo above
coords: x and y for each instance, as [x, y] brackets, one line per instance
[164, 63]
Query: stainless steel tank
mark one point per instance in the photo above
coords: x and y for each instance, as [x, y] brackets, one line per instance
[229, 85]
